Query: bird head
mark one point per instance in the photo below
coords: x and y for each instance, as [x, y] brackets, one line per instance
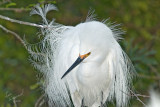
[95, 41]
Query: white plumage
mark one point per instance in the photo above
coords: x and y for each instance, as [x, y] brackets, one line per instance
[154, 99]
[104, 75]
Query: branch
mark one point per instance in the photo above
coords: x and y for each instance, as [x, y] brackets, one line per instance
[14, 9]
[15, 101]
[153, 69]
[15, 35]
[22, 22]
[149, 77]
[20, 39]
[138, 97]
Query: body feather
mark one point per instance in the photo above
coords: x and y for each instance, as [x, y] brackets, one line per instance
[57, 52]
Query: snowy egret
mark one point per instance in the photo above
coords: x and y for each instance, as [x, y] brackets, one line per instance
[154, 99]
[84, 63]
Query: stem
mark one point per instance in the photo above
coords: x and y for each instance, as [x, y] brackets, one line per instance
[14, 34]
[14, 9]
[22, 22]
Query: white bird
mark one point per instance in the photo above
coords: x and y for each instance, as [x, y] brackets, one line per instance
[154, 99]
[84, 61]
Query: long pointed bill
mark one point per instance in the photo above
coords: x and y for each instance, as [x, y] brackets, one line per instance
[78, 61]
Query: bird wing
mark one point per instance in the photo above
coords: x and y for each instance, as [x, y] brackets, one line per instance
[68, 53]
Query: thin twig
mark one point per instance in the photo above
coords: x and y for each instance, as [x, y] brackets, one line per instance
[20, 39]
[14, 34]
[153, 69]
[22, 22]
[14, 9]
[39, 101]
[149, 77]
[15, 101]
[138, 97]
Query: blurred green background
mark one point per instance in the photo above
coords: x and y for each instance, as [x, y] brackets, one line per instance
[139, 18]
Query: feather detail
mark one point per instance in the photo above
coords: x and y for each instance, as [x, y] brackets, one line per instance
[43, 11]
[91, 16]
[123, 71]
[43, 57]
[116, 29]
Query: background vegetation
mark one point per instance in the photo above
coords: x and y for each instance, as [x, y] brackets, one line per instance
[139, 18]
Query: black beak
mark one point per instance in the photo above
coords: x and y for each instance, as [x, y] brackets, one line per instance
[78, 61]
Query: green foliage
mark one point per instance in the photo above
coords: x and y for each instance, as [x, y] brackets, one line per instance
[142, 57]
[10, 4]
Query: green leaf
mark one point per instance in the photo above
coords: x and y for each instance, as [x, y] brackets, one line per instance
[30, 5]
[52, 2]
[152, 52]
[34, 86]
[11, 4]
